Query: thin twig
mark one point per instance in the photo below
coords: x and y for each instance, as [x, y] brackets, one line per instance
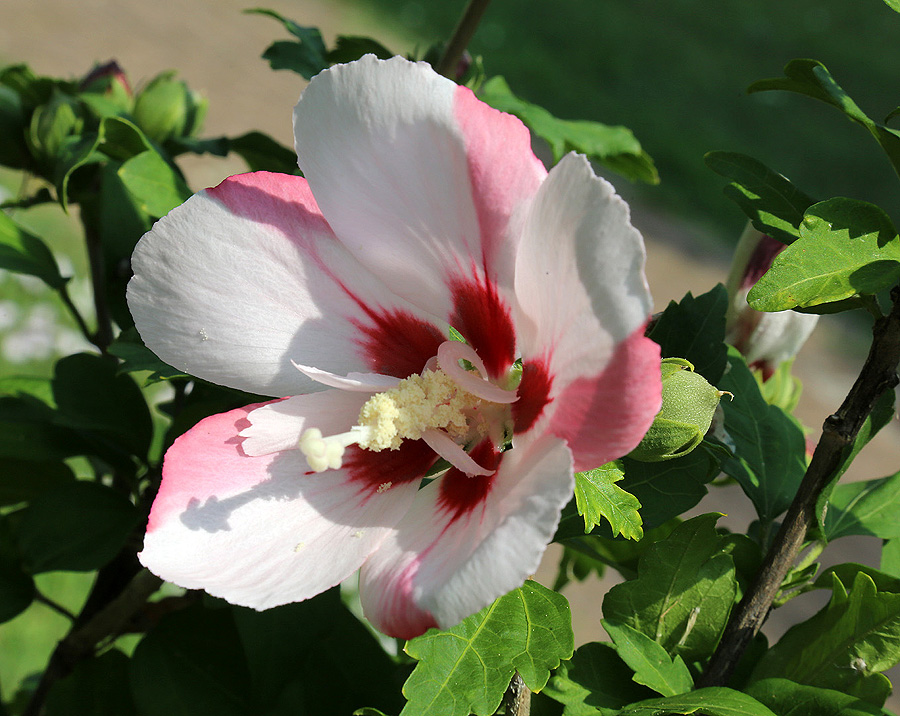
[517, 698]
[468, 23]
[878, 374]
[76, 314]
[82, 641]
[55, 606]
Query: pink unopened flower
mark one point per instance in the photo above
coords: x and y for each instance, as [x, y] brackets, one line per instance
[765, 339]
[422, 209]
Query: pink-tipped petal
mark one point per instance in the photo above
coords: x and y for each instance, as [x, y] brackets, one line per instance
[244, 278]
[261, 531]
[417, 178]
[445, 561]
[604, 417]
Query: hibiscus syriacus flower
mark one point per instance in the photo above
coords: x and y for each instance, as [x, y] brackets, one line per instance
[765, 339]
[422, 209]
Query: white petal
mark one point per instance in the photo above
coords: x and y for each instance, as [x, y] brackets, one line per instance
[242, 279]
[260, 531]
[439, 565]
[417, 177]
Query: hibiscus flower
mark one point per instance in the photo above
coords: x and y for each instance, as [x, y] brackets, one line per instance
[457, 330]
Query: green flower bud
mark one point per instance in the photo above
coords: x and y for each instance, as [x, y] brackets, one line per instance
[167, 109]
[51, 126]
[688, 405]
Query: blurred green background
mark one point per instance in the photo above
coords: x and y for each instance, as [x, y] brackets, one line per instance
[675, 73]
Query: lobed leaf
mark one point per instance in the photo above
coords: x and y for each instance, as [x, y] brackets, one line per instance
[683, 593]
[614, 147]
[846, 248]
[772, 203]
[600, 500]
[306, 56]
[467, 668]
[844, 646]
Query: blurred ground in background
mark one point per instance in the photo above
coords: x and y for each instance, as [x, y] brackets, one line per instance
[673, 72]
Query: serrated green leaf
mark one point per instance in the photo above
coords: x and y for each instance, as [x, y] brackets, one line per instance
[23, 252]
[694, 329]
[666, 489]
[845, 646]
[79, 527]
[594, 681]
[811, 78]
[614, 147]
[306, 57]
[192, 664]
[846, 248]
[154, 184]
[683, 593]
[711, 701]
[652, 665]
[772, 203]
[770, 448]
[599, 499]
[467, 668]
[786, 698]
[865, 508]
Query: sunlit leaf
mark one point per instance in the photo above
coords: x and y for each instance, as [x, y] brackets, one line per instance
[846, 247]
[23, 252]
[711, 701]
[683, 593]
[652, 665]
[600, 500]
[156, 186]
[467, 668]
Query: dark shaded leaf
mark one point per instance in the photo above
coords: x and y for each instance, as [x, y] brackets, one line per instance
[23, 480]
[264, 154]
[306, 56]
[16, 586]
[711, 701]
[97, 687]
[23, 252]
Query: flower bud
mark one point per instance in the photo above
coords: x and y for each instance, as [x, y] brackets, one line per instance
[765, 339]
[688, 405]
[167, 109]
[108, 82]
[51, 125]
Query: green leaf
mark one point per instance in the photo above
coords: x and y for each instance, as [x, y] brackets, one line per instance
[711, 701]
[773, 204]
[306, 57]
[865, 508]
[264, 154]
[121, 139]
[683, 593]
[813, 79]
[79, 527]
[23, 480]
[770, 448]
[890, 557]
[893, 4]
[847, 572]
[136, 356]
[92, 397]
[17, 588]
[652, 666]
[154, 184]
[28, 429]
[667, 489]
[599, 499]
[594, 681]
[694, 329]
[76, 152]
[23, 252]
[96, 687]
[843, 647]
[13, 151]
[321, 649]
[467, 668]
[846, 248]
[614, 147]
[786, 698]
[348, 48]
[192, 664]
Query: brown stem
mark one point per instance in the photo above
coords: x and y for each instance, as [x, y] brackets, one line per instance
[517, 698]
[468, 23]
[81, 642]
[878, 374]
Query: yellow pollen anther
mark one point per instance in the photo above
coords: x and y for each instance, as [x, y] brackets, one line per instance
[384, 487]
[417, 404]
